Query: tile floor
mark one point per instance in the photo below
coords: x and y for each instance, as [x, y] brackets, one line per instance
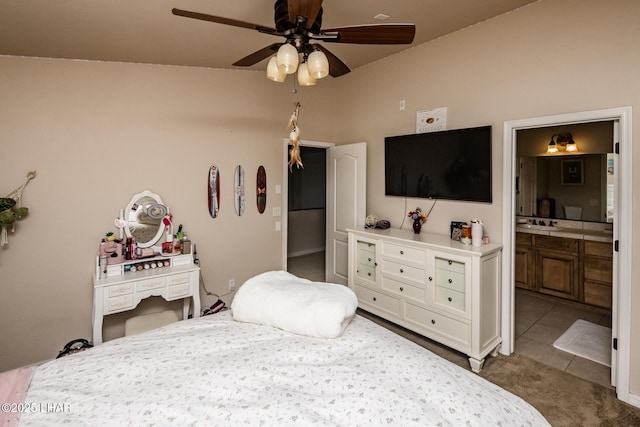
[540, 320]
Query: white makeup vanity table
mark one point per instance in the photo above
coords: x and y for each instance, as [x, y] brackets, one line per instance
[120, 287]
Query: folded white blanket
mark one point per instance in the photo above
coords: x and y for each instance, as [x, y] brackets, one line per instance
[293, 304]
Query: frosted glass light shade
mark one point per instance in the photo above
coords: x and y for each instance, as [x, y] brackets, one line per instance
[572, 147]
[273, 73]
[318, 64]
[304, 78]
[287, 58]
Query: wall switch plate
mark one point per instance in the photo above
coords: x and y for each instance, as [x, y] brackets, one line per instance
[232, 284]
[402, 105]
[277, 211]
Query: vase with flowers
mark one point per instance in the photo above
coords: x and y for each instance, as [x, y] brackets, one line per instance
[418, 216]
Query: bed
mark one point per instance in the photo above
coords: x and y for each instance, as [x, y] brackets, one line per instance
[221, 370]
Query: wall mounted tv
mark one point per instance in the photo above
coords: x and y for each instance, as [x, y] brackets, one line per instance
[450, 164]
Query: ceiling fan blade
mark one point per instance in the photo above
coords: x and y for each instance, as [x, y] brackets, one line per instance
[337, 68]
[222, 20]
[375, 34]
[258, 56]
[307, 8]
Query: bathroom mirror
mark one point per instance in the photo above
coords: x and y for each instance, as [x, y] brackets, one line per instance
[543, 178]
[144, 217]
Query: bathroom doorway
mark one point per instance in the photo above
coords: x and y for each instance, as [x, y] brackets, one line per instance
[621, 310]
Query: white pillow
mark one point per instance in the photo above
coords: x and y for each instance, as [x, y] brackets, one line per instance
[293, 304]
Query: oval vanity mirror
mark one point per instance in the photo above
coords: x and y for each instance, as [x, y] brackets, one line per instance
[144, 218]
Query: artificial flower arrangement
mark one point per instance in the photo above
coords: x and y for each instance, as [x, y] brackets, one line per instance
[418, 214]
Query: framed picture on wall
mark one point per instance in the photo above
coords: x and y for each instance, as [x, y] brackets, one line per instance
[572, 172]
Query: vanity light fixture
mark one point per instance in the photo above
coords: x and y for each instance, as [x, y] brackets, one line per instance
[562, 142]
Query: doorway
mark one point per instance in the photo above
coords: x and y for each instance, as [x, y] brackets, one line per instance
[621, 310]
[306, 215]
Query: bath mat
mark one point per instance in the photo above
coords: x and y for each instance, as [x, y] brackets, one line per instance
[587, 340]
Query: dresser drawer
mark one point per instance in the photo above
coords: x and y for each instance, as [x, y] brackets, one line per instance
[447, 329]
[366, 272]
[449, 298]
[449, 265]
[404, 271]
[450, 279]
[148, 284]
[405, 253]
[369, 298]
[177, 279]
[117, 304]
[114, 291]
[405, 290]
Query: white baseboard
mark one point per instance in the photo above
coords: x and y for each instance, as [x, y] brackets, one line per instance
[305, 252]
[634, 400]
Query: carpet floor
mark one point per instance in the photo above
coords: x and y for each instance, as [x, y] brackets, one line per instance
[563, 399]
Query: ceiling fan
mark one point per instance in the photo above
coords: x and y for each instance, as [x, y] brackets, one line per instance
[300, 22]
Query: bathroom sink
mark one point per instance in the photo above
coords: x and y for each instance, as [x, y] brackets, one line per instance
[539, 227]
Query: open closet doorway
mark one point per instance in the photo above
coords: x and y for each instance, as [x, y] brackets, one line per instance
[306, 215]
[346, 189]
[622, 220]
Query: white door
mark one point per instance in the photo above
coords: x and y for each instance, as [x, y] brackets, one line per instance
[526, 189]
[346, 204]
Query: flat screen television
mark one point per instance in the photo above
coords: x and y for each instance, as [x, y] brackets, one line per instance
[450, 165]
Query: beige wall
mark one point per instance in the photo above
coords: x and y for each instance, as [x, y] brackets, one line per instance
[551, 57]
[99, 132]
[86, 127]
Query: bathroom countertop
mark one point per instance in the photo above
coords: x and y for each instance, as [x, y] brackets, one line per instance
[594, 231]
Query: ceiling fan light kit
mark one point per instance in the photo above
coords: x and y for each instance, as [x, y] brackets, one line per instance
[318, 64]
[304, 78]
[299, 22]
[273, 72]
[287, 59]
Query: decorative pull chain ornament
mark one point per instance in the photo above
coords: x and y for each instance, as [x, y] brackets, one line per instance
[294, 138]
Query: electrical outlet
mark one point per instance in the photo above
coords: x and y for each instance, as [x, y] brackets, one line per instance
[402, 105]
[232, 284]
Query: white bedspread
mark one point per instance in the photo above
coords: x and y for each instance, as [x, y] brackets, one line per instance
[215, 371]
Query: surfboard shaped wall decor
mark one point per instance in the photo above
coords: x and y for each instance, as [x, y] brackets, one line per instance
[213, 190]
[261, 189]
[238, 190]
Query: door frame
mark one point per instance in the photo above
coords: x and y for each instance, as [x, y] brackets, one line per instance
[285, 192]
[621, 304]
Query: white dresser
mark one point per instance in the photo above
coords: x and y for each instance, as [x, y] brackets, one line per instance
[437, 287]
[123, 290]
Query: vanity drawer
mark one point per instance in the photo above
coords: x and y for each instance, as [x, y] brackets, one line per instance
[377, 300]
[179, 291]
[405, 253]
[178, 278]
[450, 299]
[117, 304]
[449, 331]
[118, 290]
[404, 271]
[405, 290]
[148, 284]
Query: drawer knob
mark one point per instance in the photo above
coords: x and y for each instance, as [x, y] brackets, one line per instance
[430, 279]
[450, 262]
[401, 252]
[401, 289]
[450, 281]
[401, 270]
[369, 274]
[369, 259]
[374, 298]
[375, 264]
[433, 321]
[450, 299]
